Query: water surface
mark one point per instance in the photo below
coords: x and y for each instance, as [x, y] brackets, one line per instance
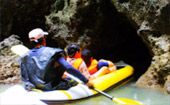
[144, 95]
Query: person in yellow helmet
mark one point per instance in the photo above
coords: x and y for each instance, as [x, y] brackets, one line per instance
[97, 68]
[42, 67]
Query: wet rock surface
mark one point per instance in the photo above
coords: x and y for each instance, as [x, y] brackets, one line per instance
[9, 66]
[77, 21]
[158, 73]
[152, 23]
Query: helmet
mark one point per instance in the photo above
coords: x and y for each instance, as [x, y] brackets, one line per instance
[72, 49]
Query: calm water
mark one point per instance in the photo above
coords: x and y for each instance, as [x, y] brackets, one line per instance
[146, 96]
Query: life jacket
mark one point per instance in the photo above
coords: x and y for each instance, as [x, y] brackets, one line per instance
[93, 67]
[39, 70]
[77, 63]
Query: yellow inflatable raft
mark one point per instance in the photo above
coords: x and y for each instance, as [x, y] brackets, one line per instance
[81, 91]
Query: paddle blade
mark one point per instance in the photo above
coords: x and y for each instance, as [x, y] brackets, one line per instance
[19, 49]
[124, 101]
[37, 90]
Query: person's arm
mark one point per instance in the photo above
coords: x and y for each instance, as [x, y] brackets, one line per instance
[109, 64]
[101, 64]
[70, 69]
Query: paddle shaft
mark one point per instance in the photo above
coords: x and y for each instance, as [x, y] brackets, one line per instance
[103, 93]
[21, 50]
[116, 100]
[120, 65]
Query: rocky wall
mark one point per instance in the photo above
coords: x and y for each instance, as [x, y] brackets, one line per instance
[75, 21]
[157, 76]
[20, 16]
[9, 66]
[152, 21]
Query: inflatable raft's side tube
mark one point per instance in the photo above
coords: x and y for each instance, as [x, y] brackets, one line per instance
[110, 79]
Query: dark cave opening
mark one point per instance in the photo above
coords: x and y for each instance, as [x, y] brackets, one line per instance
[119, 41]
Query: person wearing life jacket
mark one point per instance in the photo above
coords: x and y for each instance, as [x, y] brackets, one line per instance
[74, 58]
[97, 68]
[42, 67]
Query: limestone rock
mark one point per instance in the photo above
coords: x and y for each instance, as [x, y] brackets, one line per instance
[75, 21]
[159, 71]
[9, 66]
[152, 20]
[20, 16]
[167, 85]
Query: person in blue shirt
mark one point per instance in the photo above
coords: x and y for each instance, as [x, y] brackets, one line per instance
[42, 67]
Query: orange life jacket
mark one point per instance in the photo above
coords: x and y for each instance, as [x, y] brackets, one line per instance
[93, 67]
[76, 64]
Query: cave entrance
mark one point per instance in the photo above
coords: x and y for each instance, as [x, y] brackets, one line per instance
[119, 41]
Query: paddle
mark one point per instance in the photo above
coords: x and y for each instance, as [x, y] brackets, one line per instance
[21, 50]
[123, 101]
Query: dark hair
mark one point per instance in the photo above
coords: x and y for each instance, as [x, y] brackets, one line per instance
[40, 41]
[86, 55]
[72, 49]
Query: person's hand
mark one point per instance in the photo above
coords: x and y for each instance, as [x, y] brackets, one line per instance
[90, 84]
[28, 87]
[92, 77]
[112, 69]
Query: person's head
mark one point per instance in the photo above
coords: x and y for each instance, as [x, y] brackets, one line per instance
[86, 56]
[73, 50]
[36, 37]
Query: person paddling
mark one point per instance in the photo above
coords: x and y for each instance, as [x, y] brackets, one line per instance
[42, 67]
[97, 68]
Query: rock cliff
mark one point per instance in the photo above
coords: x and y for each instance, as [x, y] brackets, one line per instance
[9, 66]
[152, 21]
